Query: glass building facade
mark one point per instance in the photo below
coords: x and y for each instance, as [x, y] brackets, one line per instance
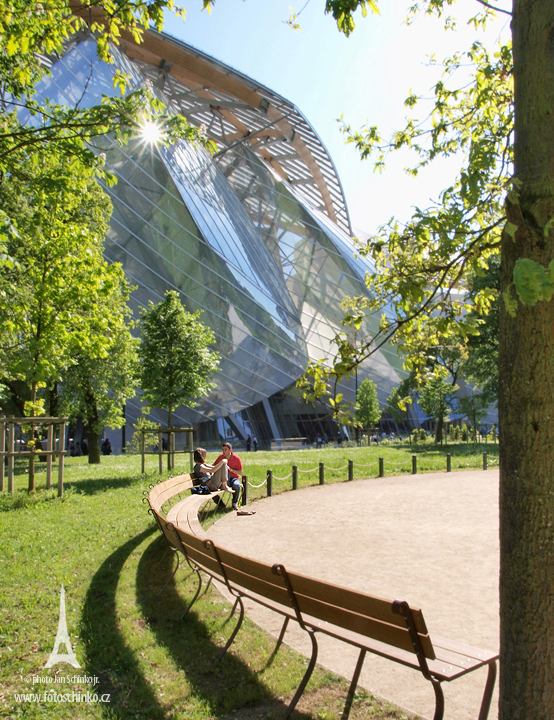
[256, 236]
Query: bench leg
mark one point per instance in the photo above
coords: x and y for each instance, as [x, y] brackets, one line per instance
[160, 560]
[171, 577]
[196, 594]
[281, 635]
[306, 677]
[235, 631]
[353, 685]
[439, 699]
[487, 695]
[233, 610]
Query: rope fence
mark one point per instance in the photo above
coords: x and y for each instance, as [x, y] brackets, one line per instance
[350, 465]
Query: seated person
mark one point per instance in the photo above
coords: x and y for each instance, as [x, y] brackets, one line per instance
[234, 470]
[213, 476]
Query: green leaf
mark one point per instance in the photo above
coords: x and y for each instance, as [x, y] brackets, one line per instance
[532, 281]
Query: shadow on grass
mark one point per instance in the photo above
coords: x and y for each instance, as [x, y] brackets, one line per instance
[94, 486]
[223, 687]
[107, 654]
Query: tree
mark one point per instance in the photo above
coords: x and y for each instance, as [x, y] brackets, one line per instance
[368, 411]
[33, 29]
[505, 115]
[95, 386]
[475, 408]
[481, 365]
[401, 397]
[52, 296]
[435, 396]
[176, 364]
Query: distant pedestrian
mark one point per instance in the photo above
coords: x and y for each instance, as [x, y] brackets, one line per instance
[255, 442]
[248, 443]
[339, 437]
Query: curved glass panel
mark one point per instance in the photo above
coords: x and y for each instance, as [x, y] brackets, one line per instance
[268, 271]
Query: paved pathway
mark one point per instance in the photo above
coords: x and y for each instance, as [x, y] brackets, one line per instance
[431, 539]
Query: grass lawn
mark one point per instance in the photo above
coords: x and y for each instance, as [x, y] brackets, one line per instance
[101, 544]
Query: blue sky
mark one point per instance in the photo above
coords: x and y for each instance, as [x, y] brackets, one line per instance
[364, 78]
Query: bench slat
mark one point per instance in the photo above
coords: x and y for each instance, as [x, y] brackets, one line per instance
[363, 625]
[353, 600]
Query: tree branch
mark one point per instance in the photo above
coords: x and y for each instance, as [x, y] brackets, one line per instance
[492, 7]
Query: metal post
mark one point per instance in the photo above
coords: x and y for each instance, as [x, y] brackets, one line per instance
[2, 451]
[269, 483]
[448, 462]
[191, 448]
[160, 455]
[381, 467]
[484, 461]
[414, 464]
[11, 442]
[351, 469]
[142, 450]
[295, 477]
[123, 430]
[244, 490]
[50, 448]
[60, 459]
[321, 473]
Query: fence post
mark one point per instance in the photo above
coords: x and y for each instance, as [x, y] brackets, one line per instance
[160, 456]
[61, 459]
[321, 473]
[49, 446]
[295, 477]
[351, 469]
[11, 444]
[381, 467]
[414, 464]
[244, 490]
[191, 448]
[2, 451]
[269, 483]
[142, 449]
[448, 462]
[484, 461]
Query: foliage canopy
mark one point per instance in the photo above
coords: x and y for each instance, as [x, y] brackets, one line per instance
[176, 364]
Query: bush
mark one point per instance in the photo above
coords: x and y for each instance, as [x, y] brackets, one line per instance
[349, 444]
[422, 435]
[135, 445]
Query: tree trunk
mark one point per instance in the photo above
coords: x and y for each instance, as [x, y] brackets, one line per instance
[438, 429]
[31, 488]
[93, 440]
[91, 423]
[526, 392]
[53, 399]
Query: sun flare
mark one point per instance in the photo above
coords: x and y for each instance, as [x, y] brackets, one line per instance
[151, 132]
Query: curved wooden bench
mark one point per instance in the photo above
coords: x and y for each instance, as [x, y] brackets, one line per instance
[182, 513]
[389, 628]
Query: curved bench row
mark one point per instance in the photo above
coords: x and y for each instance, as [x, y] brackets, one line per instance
[389, 628]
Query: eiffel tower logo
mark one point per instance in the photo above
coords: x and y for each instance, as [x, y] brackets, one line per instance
[62, 638]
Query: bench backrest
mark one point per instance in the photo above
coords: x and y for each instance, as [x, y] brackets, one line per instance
[168, 530]
[238, 571]
[315, 599]
[165, 490]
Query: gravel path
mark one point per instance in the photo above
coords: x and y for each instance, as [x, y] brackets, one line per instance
[431, 539]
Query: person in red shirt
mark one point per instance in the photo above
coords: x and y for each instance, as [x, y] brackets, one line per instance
[234, 471]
